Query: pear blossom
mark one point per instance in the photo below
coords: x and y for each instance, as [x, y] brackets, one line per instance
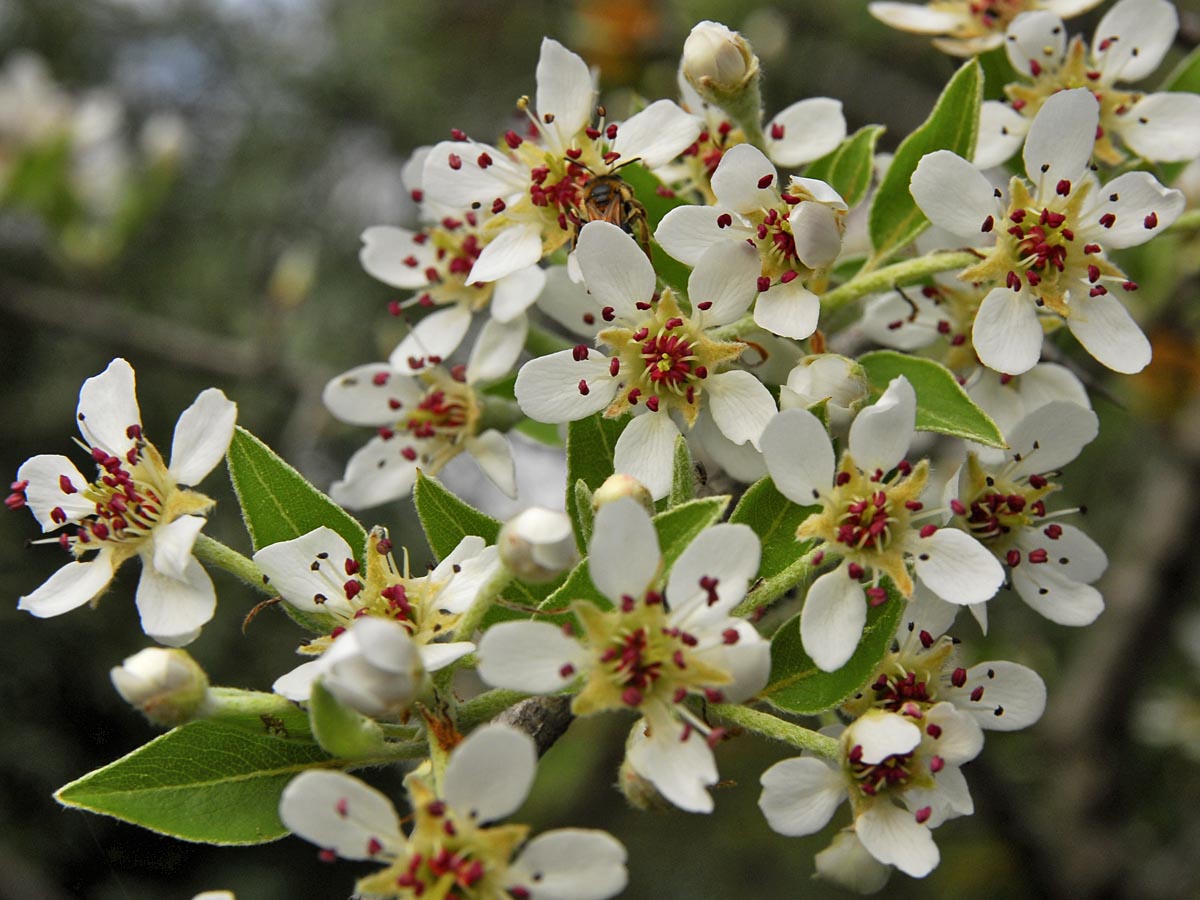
[796, 232]
[1051, 565]
[651, 650]
[870, 520]
[1049, 256]
[662, 361]
[968, 27]
[321, 578]
[838, 382]
[424, 416]
[136, 506]
[166, 685]
[538, 544]
[1130, 42]
[901, 774]
[537, 187]
[453, 849]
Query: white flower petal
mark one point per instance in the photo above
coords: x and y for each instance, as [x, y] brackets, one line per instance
[1035, 37]
[847, 864]
[452, 176]
[1047, 382]
[914, 17]
[1068, 9]
[493, 454]
[44, 493]
[623, 557]
[569, 304]
[799, 456]
[741, 405]
[954, 194]
[377, 473]
[338, 812]
[738, 176]
[748, 660]
[1163, 127]
[547, 387]
[1109, 333]
[957, 567]
[173, 544]
[646, 451]
[515, 248]
[881, 434]
[1002, 130]
[108, 407]
[800, 795]
[892, 836]
[656, 134]
[788, 310]
[741, 462]
[881, 735]
[434, 338]
[686, 232]
[960, 740]
[680, 768]
[889, 319]
[1139, 33]
[811, 128]
[530, 657]
[565, 92]
[490, 773]
[1132, 199]
[1050, 437]
[305, 567]
[726, 277]
[467, 568]
[816, 232]
[615, 269]
[373, 394]
[516, 292]
[202, 436]
[727, 555]
[832, 620]
[1010, 696]
[396, 256]
[1073, 553]
[496, 349]
[1060, 599]
[1007, 333]
[570, 864]
[438, 656]
[1060, 140]
[173, 609]
[71, 586]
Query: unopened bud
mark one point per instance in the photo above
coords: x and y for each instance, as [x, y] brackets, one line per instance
[166, 685]
[838, 381]
[373, 667]
[538, 544]
[717, 59]
[847, 864]
[621, 485]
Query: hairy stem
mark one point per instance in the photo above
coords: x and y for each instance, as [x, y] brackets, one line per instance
[217, 554]
[896, 275]
[777, 729]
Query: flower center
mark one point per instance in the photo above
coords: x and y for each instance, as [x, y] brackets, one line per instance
[991, 15]
[865, 522]
[438, 413]
[892, 772]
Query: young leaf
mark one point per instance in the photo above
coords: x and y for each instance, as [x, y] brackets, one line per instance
[590, 446]
[584, 513]
[446, 519]
[942, 405]
[848, 168]
[208, 781]
[277, 502]
[340, 730]
[683, 479]
[895, 219]
[798, 686]
[774, 518]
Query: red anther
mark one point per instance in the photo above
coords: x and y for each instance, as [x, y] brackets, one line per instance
[988, 224]
[1013, 280]
[1063, 188]
[1035, 68]
[701, 372]
[566, 671]
[1093, 271]
[663, 191]
[592, 133]
[1052, 219]
[724, 128]
[1037, 481]
[765, 181]
[1013, 558]
[352, 566]
[842, 478]
[788, 276]
[15, 500]
[1129, 285]
[928, 530]
[1018, 216]
[583, 387]
[57, 515]
[519, 893]
[1151, 221]
[611, 157]
[789, 199]
[644, 305]
[633, 395]
[327, 856]
[1108, 220]
[776, 131]
[977, 694]
[716, 735]
[1033, 278]
[574, 153]
[1053, 531]
[1098, 291]
[712, 695]
[455, 161]
[579, 353]
[876, 596]
[690, 394]
[608, 314]
[1038, 556]
[764, 283]
[100, 530]
[1019, 105]
[498, 206]
[724, 220]
[483, 161]
[64, 485]
[352, 588]
[614, 366]
[936, 764]
[1067, 234]
[631, 696]
[611, 132]
[914, 505]
[730, 635]
[855, 571]
[457, 134]
[409, 453]
[513, 139]
[383, 547]
[425, 300]
[1089, 249]
[704, 304]
[672, 323]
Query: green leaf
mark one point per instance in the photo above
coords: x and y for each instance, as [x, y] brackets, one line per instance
[942, 405]
[540, 432]
[683, 479]
[774, 518]
[646, 188]
[208, 781]
[1185, 77]
[798, 686]
[848, 168]
[584, 512]
[895, 219]
[446, 519]
[278, 503]
[591, 443]
[670, 271]
[340, 730]
[540, 342]
[998, 71]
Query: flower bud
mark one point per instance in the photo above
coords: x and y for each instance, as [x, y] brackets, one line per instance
[538, 544]
[167, 685]
[838, 381]
[716, 58]
[621, 485]
[373, 667]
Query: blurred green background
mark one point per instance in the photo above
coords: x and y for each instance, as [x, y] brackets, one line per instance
[241, 272]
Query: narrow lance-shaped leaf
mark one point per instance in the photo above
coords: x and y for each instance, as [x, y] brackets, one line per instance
[942, 405]
[683, 478]
[798, 686]
[591, 443]
[774, 518]
[895, 219]
[849, 166]
[278, 503]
